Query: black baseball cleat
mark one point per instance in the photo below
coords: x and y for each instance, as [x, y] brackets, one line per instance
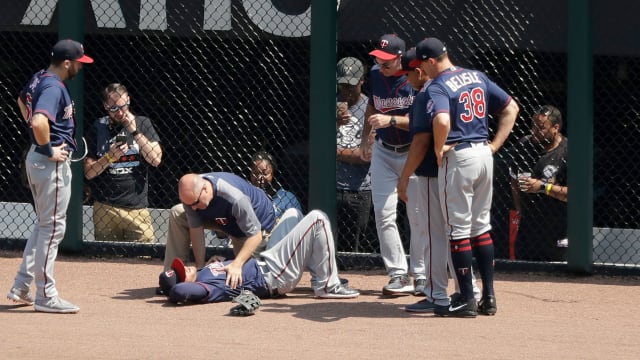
[487, 306]
[459, 307]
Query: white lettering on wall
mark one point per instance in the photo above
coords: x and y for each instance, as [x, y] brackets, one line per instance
[153, 16]
[108, 14]
[217, 15]
[270, 20]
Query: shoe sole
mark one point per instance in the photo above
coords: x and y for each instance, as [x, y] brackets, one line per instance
[423, 311]
[56, 311]
[489, 312]
[338, 296]
[459, 315]
[18, 300]
[404, 290]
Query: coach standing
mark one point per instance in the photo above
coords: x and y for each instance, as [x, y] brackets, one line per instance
[46, 106]
[462, 100]
[387, 115]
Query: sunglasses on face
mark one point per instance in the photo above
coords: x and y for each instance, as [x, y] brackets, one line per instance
[116, 108]
[384, 65]
[197, 200]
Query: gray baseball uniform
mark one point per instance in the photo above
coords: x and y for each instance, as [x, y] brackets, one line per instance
[50, 181]
[309, 245]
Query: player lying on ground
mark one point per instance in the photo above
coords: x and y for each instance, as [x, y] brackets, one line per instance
[308, 246]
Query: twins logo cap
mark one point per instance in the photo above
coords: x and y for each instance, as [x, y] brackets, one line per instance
[349, 71]
[408, 60]
[173, 276]
[70, 50]
[427, 49]
[389, 47]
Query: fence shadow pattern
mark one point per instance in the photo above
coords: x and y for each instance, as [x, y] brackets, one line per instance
[222, 80]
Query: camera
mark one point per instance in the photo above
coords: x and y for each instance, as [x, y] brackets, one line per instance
[121, 139]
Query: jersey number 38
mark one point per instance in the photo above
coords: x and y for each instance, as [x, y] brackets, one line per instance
[474, 104]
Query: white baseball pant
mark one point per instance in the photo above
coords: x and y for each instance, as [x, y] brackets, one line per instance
[309, 245]
[386, 167]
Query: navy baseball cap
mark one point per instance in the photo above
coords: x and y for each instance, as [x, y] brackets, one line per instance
[173, 276]
[427, 49]
[408, 60]
[70, 50]
[349, 71]
[389, 47]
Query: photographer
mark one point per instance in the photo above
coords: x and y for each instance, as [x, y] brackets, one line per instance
[121, 146]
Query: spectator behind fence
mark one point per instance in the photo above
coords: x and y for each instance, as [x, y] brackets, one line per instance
[539, 188]
[121, 146]
[263, 175]
[46, 105]
[285, 204]
[391, 97]
[353, 179]
[461, 101]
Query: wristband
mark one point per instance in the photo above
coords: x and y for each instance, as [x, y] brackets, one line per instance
[135, 132]
[110, 158]
[46, 149]
[543, 186]
[547, 189]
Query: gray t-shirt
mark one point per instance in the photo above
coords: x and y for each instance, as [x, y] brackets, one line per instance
[351, 176]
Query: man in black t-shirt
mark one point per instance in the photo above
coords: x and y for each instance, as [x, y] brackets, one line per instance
[121, 146]
[539, 188]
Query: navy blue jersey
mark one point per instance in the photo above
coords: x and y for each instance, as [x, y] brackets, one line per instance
[391, 96]
[469, 97]
[210, 284]
[238, 208]
[48, 95]
[421, 122]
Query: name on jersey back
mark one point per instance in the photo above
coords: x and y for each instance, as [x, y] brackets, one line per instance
[457, 81]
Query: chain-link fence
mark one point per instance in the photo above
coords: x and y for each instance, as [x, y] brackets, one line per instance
[222, 80]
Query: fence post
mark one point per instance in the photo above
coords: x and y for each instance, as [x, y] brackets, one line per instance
[580, 126]
[71, 26]
[322, 131]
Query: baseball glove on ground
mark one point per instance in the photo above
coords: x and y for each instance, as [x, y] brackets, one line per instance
[249, 303]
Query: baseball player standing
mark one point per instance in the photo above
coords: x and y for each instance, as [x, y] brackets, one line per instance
[391, 98]
[460, 103]
[45, 104]
[429, 246]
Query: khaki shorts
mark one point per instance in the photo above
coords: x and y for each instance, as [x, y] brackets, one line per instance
[118, 224]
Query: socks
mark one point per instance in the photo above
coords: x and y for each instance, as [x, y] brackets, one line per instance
[461, 256]
[483, 251]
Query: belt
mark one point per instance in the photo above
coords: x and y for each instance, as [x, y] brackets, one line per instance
[395, 148]
[467, 144]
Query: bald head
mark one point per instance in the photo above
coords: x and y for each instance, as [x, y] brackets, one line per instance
[189, 188]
